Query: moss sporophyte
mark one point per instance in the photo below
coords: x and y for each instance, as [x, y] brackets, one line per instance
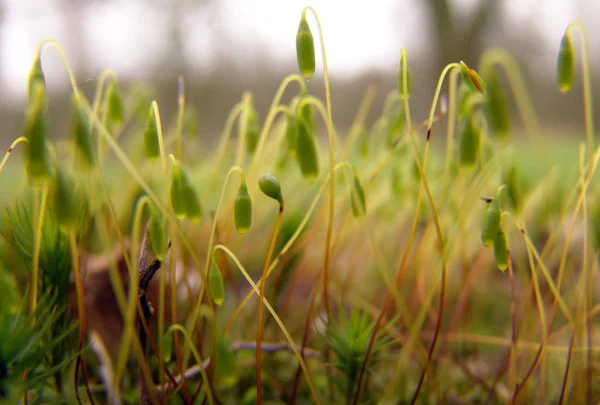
[115, 290]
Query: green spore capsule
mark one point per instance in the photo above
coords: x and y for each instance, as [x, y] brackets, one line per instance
[36, 75]
[305, 49]
[63, 201]
[401, 77]
[291, 133]
[184, 199]
[306, 153]
[496, 110]
[565, 64]
[157, 234]
[242, 210]
[269, 185]
[469, 143]
[115, 110]
[501, 250]
[491, 223]
[151, 141]
[215, 283]
[81, 129]
[357, 198]
[472, 78]
[252, 131]
[37, 157]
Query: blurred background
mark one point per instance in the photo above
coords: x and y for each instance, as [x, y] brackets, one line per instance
[224, 47]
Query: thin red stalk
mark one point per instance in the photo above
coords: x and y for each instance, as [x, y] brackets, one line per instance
[567, 366]
[152, 343]
[438, 326]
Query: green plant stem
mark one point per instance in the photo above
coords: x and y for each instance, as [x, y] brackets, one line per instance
[195, 312]
[266, 303]
[10, 149]
[587, 87]
[423, 186]
[259, 321]
[271, 117]
[198, 358]
[450, 127]
[96, 105]
[224, 139]
[241, 148]
[285, 248]
[331, 136]
[360, 118]
[39, 213]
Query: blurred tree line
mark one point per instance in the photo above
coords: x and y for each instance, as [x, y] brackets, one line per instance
[455, 35]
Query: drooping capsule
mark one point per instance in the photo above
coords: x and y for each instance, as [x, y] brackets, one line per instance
[472, 78]
[151, 141]
[81, 129]
[36, 75]
[63, 200]
[306, 153]
[184, 199]
[357, 198]
[305, 49]
[242, 209]
[252, 131]
[469, 143]
[115, 109]
[157, 234]
[269, 185]
[491, 223]
[37, 158]
[215, 283]
[291, 133]
[501, 250]
[565, 64]
[496, 110]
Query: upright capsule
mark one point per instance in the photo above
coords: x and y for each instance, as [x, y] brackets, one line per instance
[151, 141]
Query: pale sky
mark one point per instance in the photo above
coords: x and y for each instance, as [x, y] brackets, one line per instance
[359, 35]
